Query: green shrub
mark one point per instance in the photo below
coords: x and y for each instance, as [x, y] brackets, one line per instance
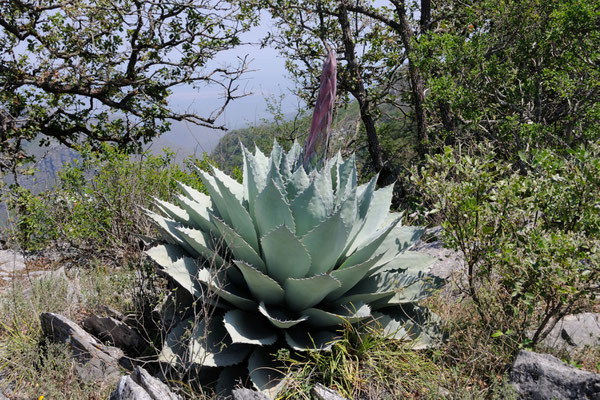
[96, 207]
[530, 239]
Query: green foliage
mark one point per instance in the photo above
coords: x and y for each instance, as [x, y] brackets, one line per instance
[100, 72]
[535, 87]
[287, 256]
[96, 206]
[530, 240]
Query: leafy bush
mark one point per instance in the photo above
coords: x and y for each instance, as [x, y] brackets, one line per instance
[530, 239]
[96, 206]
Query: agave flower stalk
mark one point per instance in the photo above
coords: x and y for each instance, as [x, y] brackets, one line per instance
[320, 126]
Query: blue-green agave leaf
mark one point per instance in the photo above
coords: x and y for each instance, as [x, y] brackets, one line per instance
[376, 213]
[240, 218]
[410, 323]
[254, 177]
[233, 186]
[238, 246]
[177, 214]
[348, 313]
[301, 339]
[399, 241]
[349, 277]
[272, 210]
[378, 287]
[224, 289]
[285, 256]
[168, 230]
[211, 346]
[174, 348]
[184, 271]
[165, 254]
[194, 195]
[265, 373]
[199, 214]
[279, 317]
[304, 293]
[309, 209]
[215, 195]
[370, 247]
[297, 184]
[244, 327]
[410, 262]
[325, 243]
[262, 287]
[199, 241]
[325, 188]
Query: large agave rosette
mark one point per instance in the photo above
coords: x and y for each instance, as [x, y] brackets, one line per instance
[287, 257]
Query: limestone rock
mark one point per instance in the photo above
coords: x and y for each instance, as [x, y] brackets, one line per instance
[247, 394]
[575, 331]
[140, 385]
[95, 361]
[541, 376]
[321, 392]
[115, 331]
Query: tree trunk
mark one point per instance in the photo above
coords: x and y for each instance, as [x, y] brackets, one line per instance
[358, 90]
[416, 82]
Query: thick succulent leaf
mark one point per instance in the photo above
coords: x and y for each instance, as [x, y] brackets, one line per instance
[324, 186]
[210, 345]
[309, 209]
[240, 218]
[233, 186]
[175, 346]
[215, 195]
[262, 287]
[364, 194]
[276, 153]
[184, 271]
[349, 313]
[165, 254]
[376, 213]
[285, 256]
[416, 291]
[347, 179]
[265, 373]
[279, 317]
[254, 177]
[398, 241]
[348, 209]
[244, 327]
[194, 194]
[411, 323]
[199, 214]
[168, 229]
[198, 240]
[301, 339]
[377, 287]
[334, 169]
[272, 210]
[325, 243]
[367, 251]
[239, 247]
[229, 378]
[410, 262]
[296, 184]
[177, 214]
[301, 294]
[225, 290]
[294, 156]
[349, 277]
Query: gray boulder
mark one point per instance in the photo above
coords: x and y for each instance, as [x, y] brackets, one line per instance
[140, 385]
[321, 392]
[574, 332]
[247, 394]
[541, 376]
[115, 331]
[95, 361]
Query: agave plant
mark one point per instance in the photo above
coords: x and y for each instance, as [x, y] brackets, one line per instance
[286, 258]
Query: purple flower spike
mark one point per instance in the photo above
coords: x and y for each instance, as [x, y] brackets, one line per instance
[323, 113]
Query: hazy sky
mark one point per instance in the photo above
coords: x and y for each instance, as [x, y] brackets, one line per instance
[268, 78]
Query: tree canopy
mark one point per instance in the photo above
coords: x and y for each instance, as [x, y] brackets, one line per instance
[102, 70]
